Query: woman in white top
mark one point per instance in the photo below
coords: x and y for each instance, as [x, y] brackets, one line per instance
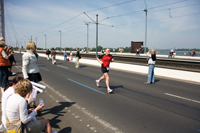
[9, 90]
[16, 109]
[30, 63]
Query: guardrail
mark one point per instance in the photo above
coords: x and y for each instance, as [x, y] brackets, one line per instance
[173, 63]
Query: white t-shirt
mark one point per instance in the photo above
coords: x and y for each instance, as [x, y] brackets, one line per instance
[7, 93]
[16, 109]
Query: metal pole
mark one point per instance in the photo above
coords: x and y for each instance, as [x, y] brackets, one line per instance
[45, 41]
[87, 36]
[60, 38]
[145, 32]
[96, 35]
[36, 41]
[2, 21]
[31, 38]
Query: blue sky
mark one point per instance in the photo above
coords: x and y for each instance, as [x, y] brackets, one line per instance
[169, 25]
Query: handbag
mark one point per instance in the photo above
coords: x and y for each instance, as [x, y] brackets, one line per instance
[14, 126]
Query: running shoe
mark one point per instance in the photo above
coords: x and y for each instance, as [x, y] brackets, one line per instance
[97, 83]
[110, 90]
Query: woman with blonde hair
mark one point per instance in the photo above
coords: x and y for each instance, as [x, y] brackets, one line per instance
[16, 109]
[30, 64]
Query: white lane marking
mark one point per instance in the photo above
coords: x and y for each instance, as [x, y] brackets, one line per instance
[182, 98]
[63, 66]
[86, 112]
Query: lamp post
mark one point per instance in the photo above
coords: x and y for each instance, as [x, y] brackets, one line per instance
[45, 41]
[145, 10]
[87, 35]
[60, 38]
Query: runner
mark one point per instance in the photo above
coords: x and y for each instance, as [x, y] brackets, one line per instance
[105, 62]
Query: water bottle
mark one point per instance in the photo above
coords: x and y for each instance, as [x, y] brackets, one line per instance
[41, 101]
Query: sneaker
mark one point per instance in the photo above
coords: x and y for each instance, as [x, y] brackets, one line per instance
[146, 83]
[110, 90]
[97, 83]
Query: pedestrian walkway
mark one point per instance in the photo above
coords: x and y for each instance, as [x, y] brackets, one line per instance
[162, 72]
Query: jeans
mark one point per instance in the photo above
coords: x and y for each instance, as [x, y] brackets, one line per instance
[65, 57]
[3, 76]
[151, 74]
[71, 57]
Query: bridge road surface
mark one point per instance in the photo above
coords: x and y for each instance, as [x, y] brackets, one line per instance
[168, 106]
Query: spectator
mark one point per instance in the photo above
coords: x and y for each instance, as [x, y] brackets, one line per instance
[30, 64]
[193, 53]
[11, 59]
[113, 51]
[65, 55]
[151, 62]
[77, 58]
[71, 54]
[102, 52]
[174, 54]
[48, 52]
[9, 90]
[20, 50]
[4, 64]
[53, 56]
[171, 52]
[16, 108]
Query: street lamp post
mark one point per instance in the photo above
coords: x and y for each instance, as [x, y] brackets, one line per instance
[45, 41]
[96, 35]
[145, 10]
[36, 41]
[60, 38]
[87, 35]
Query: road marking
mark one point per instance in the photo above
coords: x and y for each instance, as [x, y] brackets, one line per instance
[86, 112]
[86, 86]
[182, 98]
[63, 67]
[43, 68]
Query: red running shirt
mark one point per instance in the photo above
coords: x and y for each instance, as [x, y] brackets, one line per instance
[106, 59]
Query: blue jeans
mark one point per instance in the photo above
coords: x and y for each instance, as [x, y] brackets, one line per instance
[71, 57]
[151, 74]
[65, 57]
[3, 76]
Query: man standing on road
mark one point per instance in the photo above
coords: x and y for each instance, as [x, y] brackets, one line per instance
[105, 63]
[151, 62]
[77, 58]
[53, 56]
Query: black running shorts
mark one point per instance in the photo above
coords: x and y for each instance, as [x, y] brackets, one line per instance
[104, 70]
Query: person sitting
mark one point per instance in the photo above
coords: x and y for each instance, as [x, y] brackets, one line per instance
[9, 90]
[16, 109]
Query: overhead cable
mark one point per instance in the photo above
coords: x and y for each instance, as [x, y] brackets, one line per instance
[111, 6]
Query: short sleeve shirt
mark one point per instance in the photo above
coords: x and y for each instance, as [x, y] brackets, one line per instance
[106, 59]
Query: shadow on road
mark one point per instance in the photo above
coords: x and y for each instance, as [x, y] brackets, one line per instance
[81, 66]
[57, 111]
[66, 130]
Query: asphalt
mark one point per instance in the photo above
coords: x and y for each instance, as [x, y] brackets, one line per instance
[73, 102]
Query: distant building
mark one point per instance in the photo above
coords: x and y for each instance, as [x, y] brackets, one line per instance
[135, 45]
